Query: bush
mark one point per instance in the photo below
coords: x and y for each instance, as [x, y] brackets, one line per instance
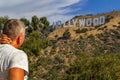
[81, 30]
[102, 28]
[119, 23]
[86, 67]
[91, 36]
[56, 36]
[33, 45]
[66, 34]
[114, 25]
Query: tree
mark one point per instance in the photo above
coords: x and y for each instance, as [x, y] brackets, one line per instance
[44, 23]
[3, 20]
[35, 23]
[30, 29]
[44, 26]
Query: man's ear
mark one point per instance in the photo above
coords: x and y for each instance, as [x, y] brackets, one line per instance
[19, 40]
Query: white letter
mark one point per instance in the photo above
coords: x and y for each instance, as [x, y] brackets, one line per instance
[89, 22]
[102, 20]
[64, 24]
[74, 22]
[82, 22]
[69, 23]
[53, 25]
[59, 23]
[95, 21]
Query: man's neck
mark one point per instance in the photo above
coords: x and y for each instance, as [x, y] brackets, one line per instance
[13, 44]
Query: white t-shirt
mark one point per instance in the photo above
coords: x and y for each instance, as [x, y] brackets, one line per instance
[11, 57]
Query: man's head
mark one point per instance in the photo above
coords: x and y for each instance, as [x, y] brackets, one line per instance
[15, 29]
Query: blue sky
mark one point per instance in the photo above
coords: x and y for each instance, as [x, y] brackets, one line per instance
[100, 6]
[56, 9]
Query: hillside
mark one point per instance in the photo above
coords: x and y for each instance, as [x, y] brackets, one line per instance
[112, 18]
[77, 53]
[93, 41]
[104, 37]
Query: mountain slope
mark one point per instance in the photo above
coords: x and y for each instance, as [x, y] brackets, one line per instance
[112, 19]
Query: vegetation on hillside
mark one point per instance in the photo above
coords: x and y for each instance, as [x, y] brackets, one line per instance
[102, 67]
[89, 57]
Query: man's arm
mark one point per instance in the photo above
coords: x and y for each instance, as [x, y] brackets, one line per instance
[16, 74]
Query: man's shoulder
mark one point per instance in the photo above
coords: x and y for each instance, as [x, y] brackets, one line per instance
[8, 49]
[20, 53]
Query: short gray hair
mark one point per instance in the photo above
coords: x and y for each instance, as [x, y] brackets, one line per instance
[13, 27]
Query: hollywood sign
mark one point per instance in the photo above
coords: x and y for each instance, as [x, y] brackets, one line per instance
[81, 22]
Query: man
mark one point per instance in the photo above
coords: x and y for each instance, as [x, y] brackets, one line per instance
[13, 62]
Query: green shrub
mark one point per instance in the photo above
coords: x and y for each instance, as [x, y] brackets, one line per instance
[106, 67]
[33, 45]
[66, 34]
[91, 36]
[81, 30]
